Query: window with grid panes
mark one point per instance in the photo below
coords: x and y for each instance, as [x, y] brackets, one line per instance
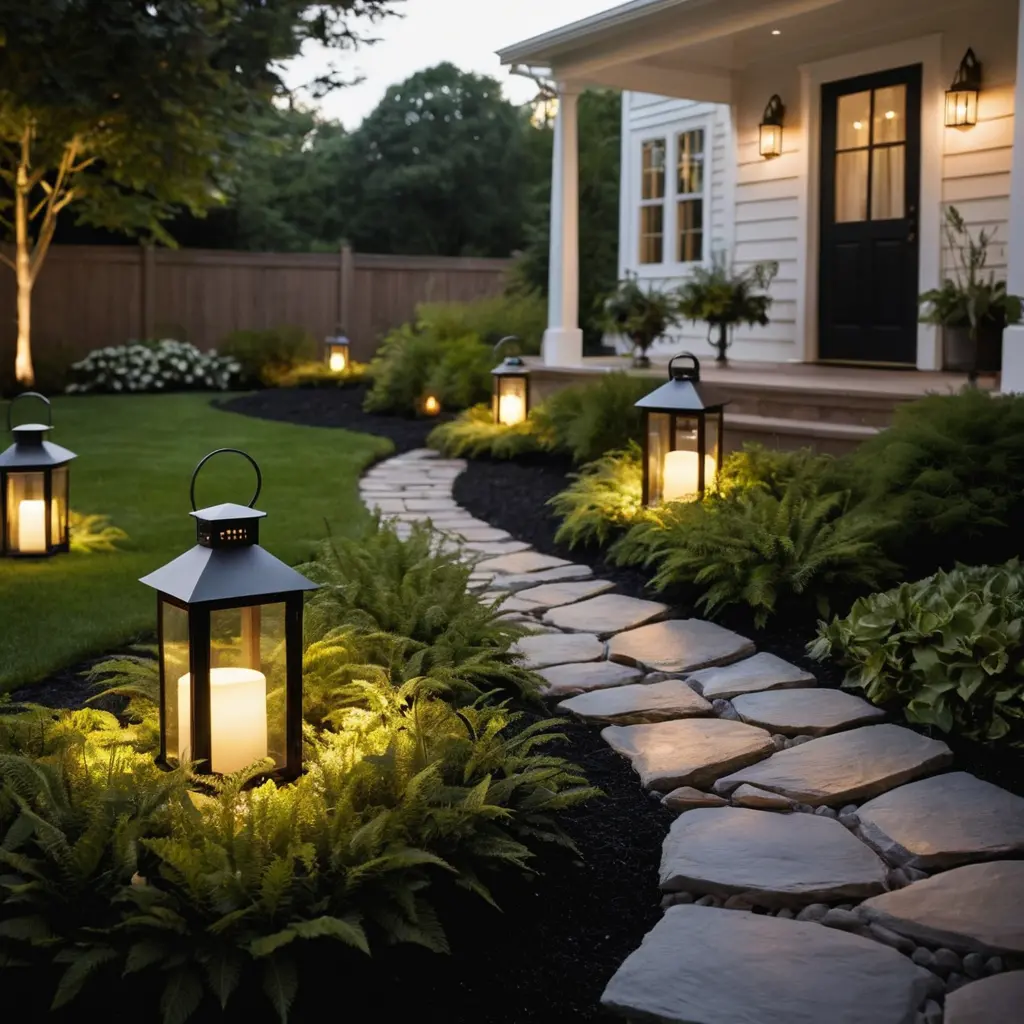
[690, 196]
[652, 201]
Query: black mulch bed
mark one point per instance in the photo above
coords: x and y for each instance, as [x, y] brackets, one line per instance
[332, 407]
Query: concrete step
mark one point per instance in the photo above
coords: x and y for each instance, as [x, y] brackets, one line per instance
[787, 433]
[831, 406]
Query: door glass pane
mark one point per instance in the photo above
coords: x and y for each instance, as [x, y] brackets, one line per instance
[888, 170]
[853, 120]
[690, 222]
[652, 228]
[890, 114]
[653, 169]
[852, 186]
[691, 163]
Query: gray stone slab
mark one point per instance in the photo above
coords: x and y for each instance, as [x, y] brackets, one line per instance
[679, 645]
[944, 821]
[558, 649]
[763, 671]
[686, 798]
[846, 766]
[805, 712]
[496, 547]
[688, 751]
[700, 965]
[639, 703]
[779, 860]
[553, 595]
[996, 1000]
[522, 562]
[563, 680]
[978, 908]
[606, 615]
[479, 533]
[761, 799]
[524, 581]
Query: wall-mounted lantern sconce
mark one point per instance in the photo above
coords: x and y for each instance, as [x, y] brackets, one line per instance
[511, 397]
[770, 131]
[962, 95]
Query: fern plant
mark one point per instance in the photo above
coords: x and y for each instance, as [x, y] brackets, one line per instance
[91, 533]
[473, 434]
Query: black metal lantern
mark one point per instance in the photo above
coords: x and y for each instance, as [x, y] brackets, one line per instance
[33, 489]
[511, 399]
[770, 129]
[683, 429]
[339, 356]
[229, 623]
[962, 95]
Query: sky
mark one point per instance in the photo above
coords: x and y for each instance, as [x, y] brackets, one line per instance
[464, 32]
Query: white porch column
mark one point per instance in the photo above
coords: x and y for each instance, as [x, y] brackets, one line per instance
[563, 339]
[1013, 337]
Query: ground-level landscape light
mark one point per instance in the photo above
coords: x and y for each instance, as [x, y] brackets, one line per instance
[229, 627]
[511, 398]
[682, 430]
[34, 481]
[338, 353]
[430, 405]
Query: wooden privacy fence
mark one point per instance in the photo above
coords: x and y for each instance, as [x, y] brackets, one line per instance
[89, 296]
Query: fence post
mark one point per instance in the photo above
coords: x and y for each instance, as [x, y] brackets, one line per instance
[148, 291]
[346, 288]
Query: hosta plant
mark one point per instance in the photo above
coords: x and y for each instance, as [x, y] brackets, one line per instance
[165, 365]
[948, 650]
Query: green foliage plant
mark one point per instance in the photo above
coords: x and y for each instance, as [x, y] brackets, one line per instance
[641, 314]
[317, 374]
[152, 366]
[948, 650]
[521, 313]
[265, 356]
[604, 498]
[462, 375]
[89, 534]
[473, 434]
[722, 298]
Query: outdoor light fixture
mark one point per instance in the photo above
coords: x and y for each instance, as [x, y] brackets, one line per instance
[511, 401]
[229, 628]
[430, 405]
[770, 130]
[33, 488]
[962, 95]
[682, 432]
[338, 355]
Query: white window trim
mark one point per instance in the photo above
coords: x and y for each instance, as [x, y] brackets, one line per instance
[670, 132]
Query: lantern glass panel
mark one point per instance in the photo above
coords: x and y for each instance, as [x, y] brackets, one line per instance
[174, 652]
[681, 471]
[59, 506]
[659, 438]
[26, 513]
[511, 397]
[961, 108]
[337, 358]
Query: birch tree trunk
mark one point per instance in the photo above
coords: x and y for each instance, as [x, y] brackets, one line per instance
[23, 369]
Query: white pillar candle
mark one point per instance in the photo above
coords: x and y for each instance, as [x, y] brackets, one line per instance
[511, 410]
[238, 718]
[337, 361]
[32, 526]
[680, 475]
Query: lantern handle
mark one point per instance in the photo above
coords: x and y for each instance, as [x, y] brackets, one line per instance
[504, 341]
[29, 394]
[223, 451]
[691, 372]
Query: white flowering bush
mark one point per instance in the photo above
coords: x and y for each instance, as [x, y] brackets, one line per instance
[166, 365]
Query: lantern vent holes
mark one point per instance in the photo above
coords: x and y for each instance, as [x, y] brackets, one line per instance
[228, 534]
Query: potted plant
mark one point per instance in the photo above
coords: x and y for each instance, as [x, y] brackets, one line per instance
[972, 307]
[722, 298]
[642, 315]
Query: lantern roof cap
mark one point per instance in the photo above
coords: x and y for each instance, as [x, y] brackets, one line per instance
[512, 366]
[228, 510]
[683, 391]
[30, 451]
[224, 574]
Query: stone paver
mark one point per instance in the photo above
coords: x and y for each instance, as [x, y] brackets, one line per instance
[480, 533]
[845, 766]
[763, 671]
[944, 821]
[777, 860]
[805, 712]
[978, 908]
[689, 751]
[751, 796]
[553, 595]
[496, 547]
[700, 965]
[997, 1000]
[524, 581]
[605, 615]
[685, 798]
[558, 649]
[639, 703]
[522, 562]
[563, 680]
[680, 645]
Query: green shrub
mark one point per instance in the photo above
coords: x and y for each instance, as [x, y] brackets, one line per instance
[523, 314]
[603, 498]
[267, 355]
[317, 374]
[761, 550]
[947, 649]
[474, 434]
[400, 369]
[754, 467]
[462, 376]
[152, 366]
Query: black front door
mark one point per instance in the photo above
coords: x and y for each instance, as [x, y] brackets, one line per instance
[870, 180]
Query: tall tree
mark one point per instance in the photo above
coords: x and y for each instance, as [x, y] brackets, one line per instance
[126, 111]
[438, 168]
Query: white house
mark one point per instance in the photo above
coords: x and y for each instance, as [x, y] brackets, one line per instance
[852, 206]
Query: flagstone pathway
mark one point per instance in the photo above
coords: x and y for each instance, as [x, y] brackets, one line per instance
[826, 866]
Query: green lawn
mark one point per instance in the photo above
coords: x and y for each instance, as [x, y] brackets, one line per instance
[135, 457]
